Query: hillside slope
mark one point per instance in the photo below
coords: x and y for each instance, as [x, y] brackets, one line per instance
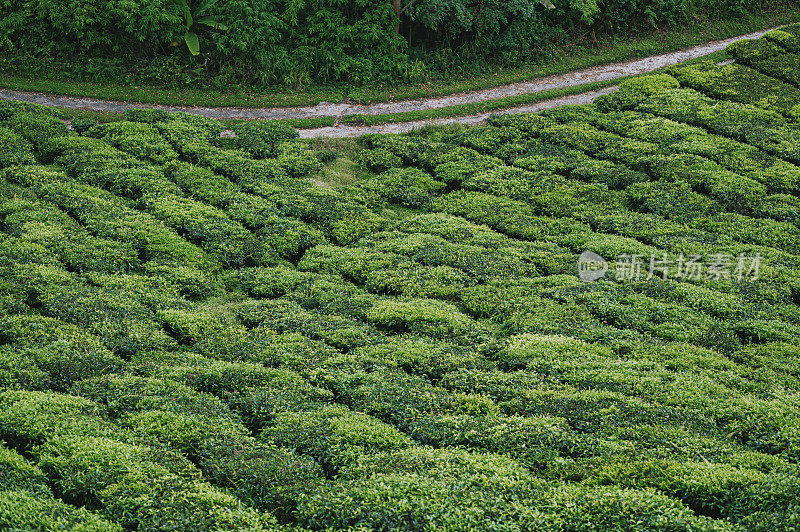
[195, 337]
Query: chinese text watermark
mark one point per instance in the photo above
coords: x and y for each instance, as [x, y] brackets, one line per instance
[712, 267]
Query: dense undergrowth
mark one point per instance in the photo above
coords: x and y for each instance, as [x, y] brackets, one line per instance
[217, 44]
[195, 337]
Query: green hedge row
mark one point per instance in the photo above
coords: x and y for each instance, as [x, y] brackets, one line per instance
[240, 343]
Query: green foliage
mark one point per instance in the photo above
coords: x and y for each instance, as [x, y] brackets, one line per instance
[290, 237]
[262, 137]
[422, 316]
[740, 84]
[335, 436]
[194, 339]
[262, 475]
[30, 418]
[409, 187]
[380, 159]
[15, 149]
[64, 352]
[19, 510]
[787, 37]
[140, 140]
[121, 395]
[228, 241]
[137, 485]
[36, 128]
[16, 473]
[297, 159]
[482, 500]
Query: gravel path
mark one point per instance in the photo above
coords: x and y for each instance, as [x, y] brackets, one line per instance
[342, 131]
[325, 109]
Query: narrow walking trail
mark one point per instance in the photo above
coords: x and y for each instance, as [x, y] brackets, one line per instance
[343, 131]
[324, 109]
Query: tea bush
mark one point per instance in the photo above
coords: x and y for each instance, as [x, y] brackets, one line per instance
[15, 149]
[140, 140]
[36, 128]
[262, 138]
[740, 84]
[19, 510]
[334, 435]
[786, 37]
[130, 483]
[412, 188]
[195, 339]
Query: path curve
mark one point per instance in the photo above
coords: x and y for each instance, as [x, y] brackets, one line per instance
[344, 131]
[325, 109]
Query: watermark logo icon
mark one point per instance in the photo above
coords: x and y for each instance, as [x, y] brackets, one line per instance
[591, 266]
[712, 267]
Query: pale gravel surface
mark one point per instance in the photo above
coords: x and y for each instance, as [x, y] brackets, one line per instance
[325, 109]
[342, 131]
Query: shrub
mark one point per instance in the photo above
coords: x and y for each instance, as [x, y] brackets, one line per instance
[30, 418]
[407, 186]
[391, 394]
[748, 50]
[143, 141]
[254, 211]
[590, 411]
[420, 355]
[422, 316]
[261, 475]
[612, 508]
[297, 159]
[386, 273]
[260, 406]
[735, 192]
[18, 371]
[187, 434]
[16, 473]
[380, 160]
[215, 335]
[210, 126]
[84, 124]
[36, 128]
[202, 183]
[108, 216]
[9, 109]
[334, 435]
[15, 150]
[262, 137]
[738, 83]
[512, 217]
[67, 363]
[536, 352]
[265, 476]
[287, 316]
[481, 494]
[125, 394]
[19, 510]
[787, 37]
[211, 229]
[534, 441]
[780, 66]
[290, 237]
[66, 353]
[187, 139]
[674, 200]
[137, 487]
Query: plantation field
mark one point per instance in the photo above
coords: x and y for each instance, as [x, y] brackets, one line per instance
[200, 333]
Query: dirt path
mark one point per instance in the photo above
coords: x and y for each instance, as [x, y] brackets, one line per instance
[343, 131]
[324, 109]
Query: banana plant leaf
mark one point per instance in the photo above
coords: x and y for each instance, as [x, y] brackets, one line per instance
[192, 42]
